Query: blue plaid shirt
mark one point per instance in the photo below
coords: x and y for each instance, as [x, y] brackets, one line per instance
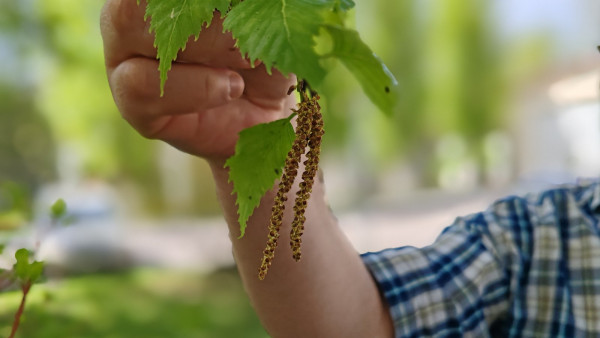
[526, 267]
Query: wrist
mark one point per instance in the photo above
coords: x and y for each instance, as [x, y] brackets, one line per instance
[219, 172]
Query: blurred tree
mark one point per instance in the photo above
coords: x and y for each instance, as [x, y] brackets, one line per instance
[76, 98]
[451, 68]
[467, 89]
[456, 80]
[26, 152]
[26, 145]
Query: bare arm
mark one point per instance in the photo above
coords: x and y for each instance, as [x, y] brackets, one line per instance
[328, 293]
[208, 100]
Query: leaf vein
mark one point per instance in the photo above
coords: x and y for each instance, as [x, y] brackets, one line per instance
[285, 23]
[173, 27]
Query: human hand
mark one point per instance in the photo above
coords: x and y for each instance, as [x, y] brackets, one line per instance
[211, 94]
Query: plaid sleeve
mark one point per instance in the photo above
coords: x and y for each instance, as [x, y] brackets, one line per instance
[526, 267]
[455, 287]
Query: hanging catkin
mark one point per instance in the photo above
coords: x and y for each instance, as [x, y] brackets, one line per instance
[311, 166]
[290, 171]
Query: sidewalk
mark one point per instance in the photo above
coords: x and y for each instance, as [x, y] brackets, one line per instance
[204, 245]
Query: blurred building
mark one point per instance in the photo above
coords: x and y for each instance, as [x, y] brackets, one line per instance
[557, 124]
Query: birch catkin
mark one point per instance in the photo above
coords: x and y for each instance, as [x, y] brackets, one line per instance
[311, 166]
[290, 171]
[309, 131]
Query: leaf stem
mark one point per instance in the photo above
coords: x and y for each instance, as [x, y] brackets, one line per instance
[306, 92]
[25, 288]
[292, 115]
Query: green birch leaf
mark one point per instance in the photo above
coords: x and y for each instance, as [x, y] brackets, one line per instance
[259, 158]
[35, 271]
[58, 209]
[374, 77]
[173, 22]
[21, 267]
[345, 4]
[24, 271]
[280, 33]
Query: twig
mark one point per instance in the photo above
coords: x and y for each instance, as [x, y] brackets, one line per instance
[26, 287]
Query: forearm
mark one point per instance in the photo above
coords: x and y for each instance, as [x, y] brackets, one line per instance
[328, 293]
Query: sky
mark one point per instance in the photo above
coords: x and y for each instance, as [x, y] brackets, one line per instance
[574, 23]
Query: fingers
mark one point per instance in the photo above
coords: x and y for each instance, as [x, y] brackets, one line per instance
[214, 47]
[266, 87]
[189, 88]
[124, 31]
[127, 35]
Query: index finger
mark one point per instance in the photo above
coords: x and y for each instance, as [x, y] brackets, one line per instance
[124, 32]
[127, 35]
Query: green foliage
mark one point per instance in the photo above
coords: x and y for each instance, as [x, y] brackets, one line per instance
[11, 220]
[27, 272]
[345, 4]
[26, 146]
[174, 21]
[71, 94]
[148, 303]
[280, 34]
[14, 196]
[374, 77]
[58, 209]
[15, 204]
[259, 158]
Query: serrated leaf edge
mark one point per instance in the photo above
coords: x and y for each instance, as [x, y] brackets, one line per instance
[243, 223]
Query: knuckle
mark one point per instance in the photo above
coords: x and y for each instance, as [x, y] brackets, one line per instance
[119, 14]
[132, 95]
[130, 81]
[215, 89]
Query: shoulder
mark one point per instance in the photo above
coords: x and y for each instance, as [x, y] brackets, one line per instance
[570, 203]
[517, 225]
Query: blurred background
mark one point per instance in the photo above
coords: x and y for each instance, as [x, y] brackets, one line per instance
[497, 97]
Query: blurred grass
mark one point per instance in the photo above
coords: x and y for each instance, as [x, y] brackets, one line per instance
[144, 303]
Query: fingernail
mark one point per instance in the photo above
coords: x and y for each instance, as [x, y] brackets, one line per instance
[236, 86]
